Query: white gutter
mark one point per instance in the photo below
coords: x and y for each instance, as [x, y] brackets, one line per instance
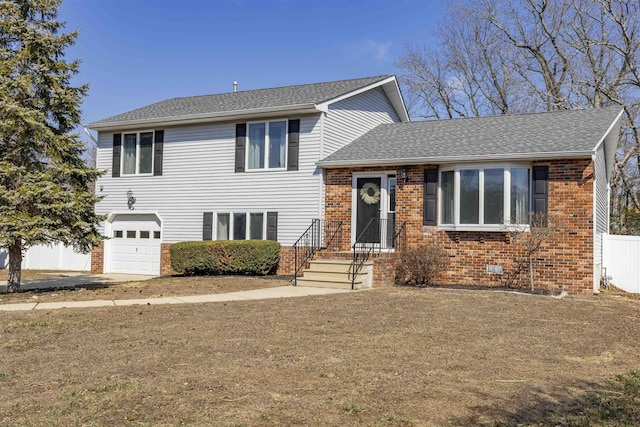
[455, 159]
[206, 117]
[596, 285]
[95, 141]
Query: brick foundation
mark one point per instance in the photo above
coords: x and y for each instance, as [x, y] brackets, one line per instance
[97, 259]
[566, 262]
[285, 265]
[165, 260]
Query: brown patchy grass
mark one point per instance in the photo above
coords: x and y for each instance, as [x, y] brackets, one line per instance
[32, 274]
[154, 288]
[388, 357]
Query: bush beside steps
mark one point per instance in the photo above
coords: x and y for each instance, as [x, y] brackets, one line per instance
[225, 257]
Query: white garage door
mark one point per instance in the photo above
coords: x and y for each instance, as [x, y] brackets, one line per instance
[135, 244]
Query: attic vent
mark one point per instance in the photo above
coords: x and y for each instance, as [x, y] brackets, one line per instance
[235, 86]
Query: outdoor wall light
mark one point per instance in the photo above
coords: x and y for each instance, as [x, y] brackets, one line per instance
[404, 175]
[130, 199]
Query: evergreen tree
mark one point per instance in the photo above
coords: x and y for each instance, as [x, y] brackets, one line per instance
[45, 187]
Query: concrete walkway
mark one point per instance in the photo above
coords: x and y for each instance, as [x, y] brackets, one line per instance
[256, 294]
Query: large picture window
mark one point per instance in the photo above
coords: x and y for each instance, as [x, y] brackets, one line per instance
[267, 145]
[484, 197]
[137, 153]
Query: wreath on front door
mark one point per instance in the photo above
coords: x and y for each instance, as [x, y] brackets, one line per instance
[370, 193]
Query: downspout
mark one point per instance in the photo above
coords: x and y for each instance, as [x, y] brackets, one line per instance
[93, 139]
[321, 186]
[596, 284]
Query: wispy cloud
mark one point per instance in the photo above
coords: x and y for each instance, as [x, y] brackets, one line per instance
[377, 50]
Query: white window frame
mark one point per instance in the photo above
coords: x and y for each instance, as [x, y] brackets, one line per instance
[122, 153]
[247, 231]
[506, 225]
[266, 146]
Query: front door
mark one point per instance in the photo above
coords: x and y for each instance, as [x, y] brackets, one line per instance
[368, 208]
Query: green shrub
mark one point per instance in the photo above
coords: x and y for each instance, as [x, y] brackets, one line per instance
[250, 257]
[420, 266]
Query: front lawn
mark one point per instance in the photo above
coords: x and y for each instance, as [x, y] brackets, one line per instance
[153, 288]
[387, 357]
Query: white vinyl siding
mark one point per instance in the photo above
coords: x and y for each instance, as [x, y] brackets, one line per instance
[601, 207]
[198, 176]
[351, 118]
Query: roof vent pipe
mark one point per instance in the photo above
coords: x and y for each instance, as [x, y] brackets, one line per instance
[235, 86]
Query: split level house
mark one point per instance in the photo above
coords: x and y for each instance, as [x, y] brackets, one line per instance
[336, 167]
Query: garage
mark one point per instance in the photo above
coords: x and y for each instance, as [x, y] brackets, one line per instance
[135, 244]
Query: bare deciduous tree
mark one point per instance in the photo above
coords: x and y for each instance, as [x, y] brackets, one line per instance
[511, 56]
[532, 239]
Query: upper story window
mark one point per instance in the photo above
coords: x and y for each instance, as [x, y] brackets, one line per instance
[485, 197]
[267, 145]
[137, 153]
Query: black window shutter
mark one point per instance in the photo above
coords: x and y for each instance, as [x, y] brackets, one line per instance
[294, 145]
[207, 226]
[117, 149]
[272, 225]
[157, 153]
[430, 199]
[241, 143]
[540, 190]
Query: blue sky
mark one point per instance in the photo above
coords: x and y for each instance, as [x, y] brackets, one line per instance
[136, 52]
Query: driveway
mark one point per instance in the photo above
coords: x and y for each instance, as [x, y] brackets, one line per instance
[71, 279]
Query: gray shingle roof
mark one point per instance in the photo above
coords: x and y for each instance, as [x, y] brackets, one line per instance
[516, 136]
[243, 100]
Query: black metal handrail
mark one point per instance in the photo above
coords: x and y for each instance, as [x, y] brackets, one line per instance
[379, 234]
[321, 234]
[401, 237]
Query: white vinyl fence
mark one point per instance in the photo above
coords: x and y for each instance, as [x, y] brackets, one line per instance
[55, 257]
[621, 256]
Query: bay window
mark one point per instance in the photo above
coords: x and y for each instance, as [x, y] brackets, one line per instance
[484, 197]
[519, 196]
[469, 196]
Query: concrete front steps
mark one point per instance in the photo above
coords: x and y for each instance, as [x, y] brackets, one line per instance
[334, 273]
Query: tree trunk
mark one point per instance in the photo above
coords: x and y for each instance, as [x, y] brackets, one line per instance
[531, 272]
[15, 267]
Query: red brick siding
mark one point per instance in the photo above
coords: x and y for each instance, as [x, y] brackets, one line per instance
[565, 263]
[165, 260]
[285, 265]
[97, 259]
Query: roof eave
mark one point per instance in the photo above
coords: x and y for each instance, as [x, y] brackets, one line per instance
[610, 141]
[456, 159]
[391, 88]
[207, 118]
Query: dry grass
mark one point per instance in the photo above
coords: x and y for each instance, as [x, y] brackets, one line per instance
[388, 357]
[32, 274]
[154, 288]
